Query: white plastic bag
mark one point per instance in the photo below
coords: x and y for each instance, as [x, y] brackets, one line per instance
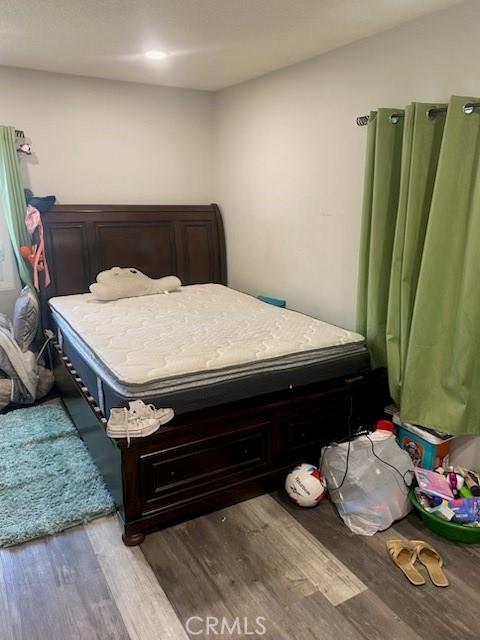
[373, 495]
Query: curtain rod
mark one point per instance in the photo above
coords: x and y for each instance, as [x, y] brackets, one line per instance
[468, 109]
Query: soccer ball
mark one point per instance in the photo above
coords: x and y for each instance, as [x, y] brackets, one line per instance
[305, 485]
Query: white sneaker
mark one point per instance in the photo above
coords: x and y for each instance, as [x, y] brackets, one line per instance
[139, 421]
[122, 425]
[138, 409]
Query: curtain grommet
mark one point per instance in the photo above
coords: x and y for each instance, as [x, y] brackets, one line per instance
[469, 108]
[433, 112]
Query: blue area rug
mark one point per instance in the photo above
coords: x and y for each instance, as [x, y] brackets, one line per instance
[48, 481]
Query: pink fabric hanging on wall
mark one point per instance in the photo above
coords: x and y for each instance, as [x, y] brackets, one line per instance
[33, 220]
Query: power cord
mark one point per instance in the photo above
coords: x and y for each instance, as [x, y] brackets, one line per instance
[402, 475]
[347, 461]
[349, 438]
[44, 346]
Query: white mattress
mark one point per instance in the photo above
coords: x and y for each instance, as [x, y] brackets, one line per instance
[202, 333]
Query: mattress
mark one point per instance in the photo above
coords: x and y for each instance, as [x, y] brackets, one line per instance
[203, 345]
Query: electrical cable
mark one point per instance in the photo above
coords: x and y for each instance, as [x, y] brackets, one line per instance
[350, 438]
[44, 346]
[402, 475]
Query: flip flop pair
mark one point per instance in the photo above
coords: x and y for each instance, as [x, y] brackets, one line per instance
[405, 553]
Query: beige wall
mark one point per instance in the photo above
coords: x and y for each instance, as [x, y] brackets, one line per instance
[98, 141]
[288, 157]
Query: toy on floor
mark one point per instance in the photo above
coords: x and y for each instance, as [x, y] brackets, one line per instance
[117, 283]
[305, 485]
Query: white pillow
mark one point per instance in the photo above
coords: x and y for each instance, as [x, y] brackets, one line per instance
[119, 283]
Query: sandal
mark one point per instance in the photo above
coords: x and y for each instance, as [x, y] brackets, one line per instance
[402, 553]
[432, 562]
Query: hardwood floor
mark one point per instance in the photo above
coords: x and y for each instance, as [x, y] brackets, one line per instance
[415, 606]
[55, 588]
[262, 565]
[145, 609]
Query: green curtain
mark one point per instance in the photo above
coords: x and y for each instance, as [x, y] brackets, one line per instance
[13, 199]
[381, 189]
[420, 152]
[419, 292]
[441, 385]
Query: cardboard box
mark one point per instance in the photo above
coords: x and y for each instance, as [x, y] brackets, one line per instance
[426, 447]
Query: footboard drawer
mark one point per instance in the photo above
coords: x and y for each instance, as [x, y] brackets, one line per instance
[192, 468]
[313, 430]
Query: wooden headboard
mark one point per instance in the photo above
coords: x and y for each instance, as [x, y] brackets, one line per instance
[82, 240]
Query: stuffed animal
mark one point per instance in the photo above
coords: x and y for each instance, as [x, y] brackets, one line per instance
[119, 283]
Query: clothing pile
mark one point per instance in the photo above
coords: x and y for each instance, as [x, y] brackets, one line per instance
[22, 379]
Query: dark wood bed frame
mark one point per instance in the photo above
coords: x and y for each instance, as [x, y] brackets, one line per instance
[209, 458]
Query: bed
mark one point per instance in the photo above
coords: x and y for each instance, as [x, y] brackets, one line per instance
[255, 388]
[227, 346]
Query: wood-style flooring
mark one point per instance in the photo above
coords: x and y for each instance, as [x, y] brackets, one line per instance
[263, 568]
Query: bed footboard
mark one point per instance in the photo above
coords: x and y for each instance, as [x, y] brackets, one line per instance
[209, 459]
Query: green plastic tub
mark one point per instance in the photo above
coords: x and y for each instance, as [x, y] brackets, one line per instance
[450, 530]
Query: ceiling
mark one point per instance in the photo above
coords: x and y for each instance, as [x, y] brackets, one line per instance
[211, 43]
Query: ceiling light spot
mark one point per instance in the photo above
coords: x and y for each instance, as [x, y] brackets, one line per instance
[155, 55]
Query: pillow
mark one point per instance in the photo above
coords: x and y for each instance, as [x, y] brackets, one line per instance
[119, 283]
[25, 318]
